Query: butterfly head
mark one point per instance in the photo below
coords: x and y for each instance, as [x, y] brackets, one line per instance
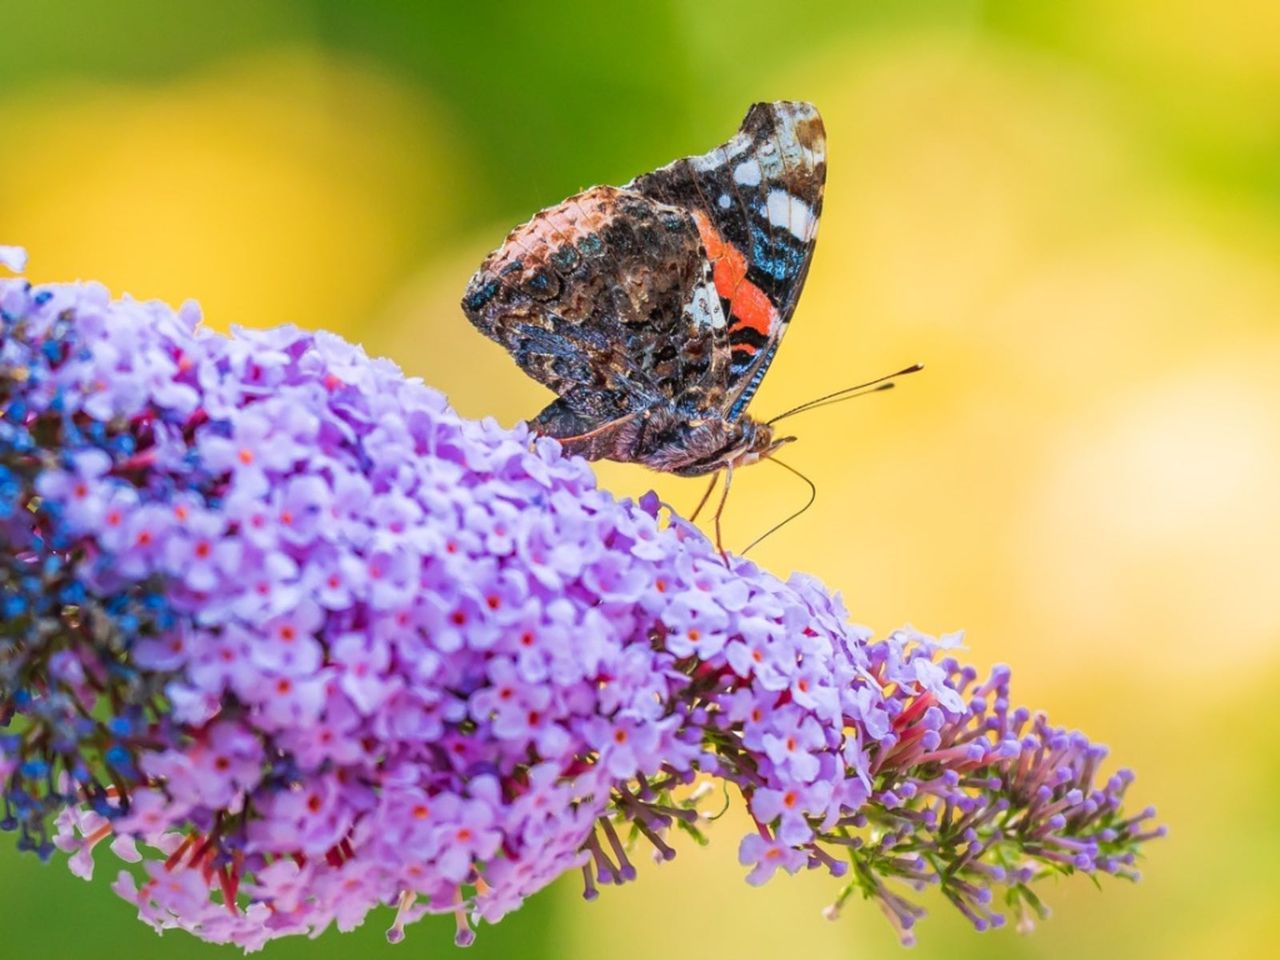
[759, 443]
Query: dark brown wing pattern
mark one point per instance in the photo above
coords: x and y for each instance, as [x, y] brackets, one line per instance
[607, 299]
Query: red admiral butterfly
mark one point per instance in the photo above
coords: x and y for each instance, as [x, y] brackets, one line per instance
[654, 309]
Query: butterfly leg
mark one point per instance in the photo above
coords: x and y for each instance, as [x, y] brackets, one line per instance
[724, 497]
[693, 517]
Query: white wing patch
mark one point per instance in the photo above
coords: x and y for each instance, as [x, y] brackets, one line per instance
[721, 155]
[783, 209]
[792, 152]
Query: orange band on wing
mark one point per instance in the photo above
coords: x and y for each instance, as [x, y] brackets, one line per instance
[748, 304]
[752, 308]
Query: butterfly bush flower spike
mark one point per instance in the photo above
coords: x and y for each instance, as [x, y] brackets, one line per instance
[289, 640]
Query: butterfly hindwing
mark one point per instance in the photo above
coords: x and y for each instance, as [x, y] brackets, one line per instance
[608, 300]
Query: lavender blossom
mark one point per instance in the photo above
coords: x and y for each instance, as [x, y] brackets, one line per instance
[300, 641]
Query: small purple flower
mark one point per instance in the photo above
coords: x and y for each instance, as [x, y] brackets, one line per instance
[765, 857]
[287, 645]
[259, 443]
[627, 745]
[82, 488]
[467, 833]
[196, 551]
[364, 673]
[792, 740]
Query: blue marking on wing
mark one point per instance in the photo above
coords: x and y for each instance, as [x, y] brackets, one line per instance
[762, 367]
[477, 298]
[782, 261]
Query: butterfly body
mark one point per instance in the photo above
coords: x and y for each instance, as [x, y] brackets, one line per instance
[668, 439]
[654, 309]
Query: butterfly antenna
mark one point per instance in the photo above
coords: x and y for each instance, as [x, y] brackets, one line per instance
[871, 386]
[813, 495]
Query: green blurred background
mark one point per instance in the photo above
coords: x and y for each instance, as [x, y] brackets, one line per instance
[1069, 211]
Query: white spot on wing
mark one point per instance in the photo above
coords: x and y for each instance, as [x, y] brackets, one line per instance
[782, 209]
[747, 173]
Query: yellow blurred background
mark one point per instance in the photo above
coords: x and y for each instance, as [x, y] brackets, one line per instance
[1070, 212]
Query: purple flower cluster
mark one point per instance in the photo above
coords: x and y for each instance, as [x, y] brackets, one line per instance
[300, 641]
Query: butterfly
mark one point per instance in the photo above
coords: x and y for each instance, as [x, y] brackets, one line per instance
[653, 310]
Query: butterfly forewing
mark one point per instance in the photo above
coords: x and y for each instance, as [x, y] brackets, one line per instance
[757, 200]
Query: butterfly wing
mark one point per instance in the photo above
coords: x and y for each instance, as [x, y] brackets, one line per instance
[671, 292]
[756, 201]
[608, 300]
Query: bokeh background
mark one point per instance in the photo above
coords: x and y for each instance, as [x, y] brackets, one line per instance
[1069, 211]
